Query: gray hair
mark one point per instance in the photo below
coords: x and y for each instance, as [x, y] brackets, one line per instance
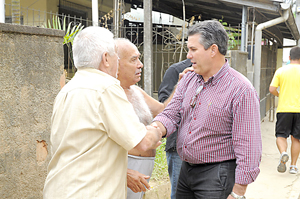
[89, 46]
[211, 32]
[121, 43]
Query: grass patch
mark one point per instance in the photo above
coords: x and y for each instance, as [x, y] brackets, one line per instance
[160, 170]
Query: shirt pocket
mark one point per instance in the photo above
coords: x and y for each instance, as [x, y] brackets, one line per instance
[218, 119]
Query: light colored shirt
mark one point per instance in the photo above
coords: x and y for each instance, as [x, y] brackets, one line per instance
[223, 125]
[288, 79]
[93, 127]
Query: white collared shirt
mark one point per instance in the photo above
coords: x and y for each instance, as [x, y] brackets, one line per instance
[93, 127]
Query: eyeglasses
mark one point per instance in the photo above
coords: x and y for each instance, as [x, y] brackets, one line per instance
[194, 98]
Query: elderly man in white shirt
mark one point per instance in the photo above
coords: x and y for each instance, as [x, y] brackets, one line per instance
[94, 125]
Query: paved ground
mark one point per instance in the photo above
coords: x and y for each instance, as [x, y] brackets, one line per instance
[269, 185]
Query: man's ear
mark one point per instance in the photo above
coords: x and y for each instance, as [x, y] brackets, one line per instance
[105, 59]
[214, 50]
[104, 62]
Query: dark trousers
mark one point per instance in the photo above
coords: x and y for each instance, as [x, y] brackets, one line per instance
[206, 181]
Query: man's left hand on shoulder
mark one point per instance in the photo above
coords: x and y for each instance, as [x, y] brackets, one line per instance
[184, 72]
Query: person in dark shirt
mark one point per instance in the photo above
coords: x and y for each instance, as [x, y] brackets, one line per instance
[164, 91]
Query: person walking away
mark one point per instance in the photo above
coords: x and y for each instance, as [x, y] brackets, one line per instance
[288, 110]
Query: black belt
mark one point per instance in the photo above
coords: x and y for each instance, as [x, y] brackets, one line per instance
[210, 163]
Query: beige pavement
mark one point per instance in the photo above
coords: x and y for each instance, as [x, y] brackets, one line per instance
[270, 184]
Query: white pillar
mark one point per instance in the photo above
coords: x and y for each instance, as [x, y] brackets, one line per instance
[244, 26]
[95, 15]
[148, 72]
[116, 18]
[2, 11]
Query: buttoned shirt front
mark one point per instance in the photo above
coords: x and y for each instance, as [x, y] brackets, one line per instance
[93, 127]
[224, 124]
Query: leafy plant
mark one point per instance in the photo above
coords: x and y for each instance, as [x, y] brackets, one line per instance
[160, 170]
[71, 32]
[232, 33]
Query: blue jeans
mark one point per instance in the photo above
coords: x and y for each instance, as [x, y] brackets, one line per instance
[174, 166]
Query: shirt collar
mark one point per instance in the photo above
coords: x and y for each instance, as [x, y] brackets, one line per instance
[216, 77]
[99, 72]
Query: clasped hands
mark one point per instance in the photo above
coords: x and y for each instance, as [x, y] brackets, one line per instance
[156, 132]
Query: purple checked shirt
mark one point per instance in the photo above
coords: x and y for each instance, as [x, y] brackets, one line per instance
[224, 124]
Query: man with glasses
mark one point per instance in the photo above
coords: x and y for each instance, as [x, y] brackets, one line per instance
[216, 111]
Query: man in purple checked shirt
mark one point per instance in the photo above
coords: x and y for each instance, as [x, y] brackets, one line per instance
[216, 110]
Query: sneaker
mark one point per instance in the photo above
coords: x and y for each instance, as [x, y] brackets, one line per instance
[284, 157]
[293, 169]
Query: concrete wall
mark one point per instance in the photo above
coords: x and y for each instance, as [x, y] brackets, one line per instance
[238, 60]
[279, 62]
[31, 65]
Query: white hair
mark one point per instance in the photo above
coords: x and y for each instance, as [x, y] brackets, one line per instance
[123, 43]
[89, 46]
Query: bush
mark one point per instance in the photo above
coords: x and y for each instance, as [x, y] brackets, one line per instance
[160, 171]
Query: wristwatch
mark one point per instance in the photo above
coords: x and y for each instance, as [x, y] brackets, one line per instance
[237, 196]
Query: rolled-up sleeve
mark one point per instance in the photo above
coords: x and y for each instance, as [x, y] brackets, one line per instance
[246, 136]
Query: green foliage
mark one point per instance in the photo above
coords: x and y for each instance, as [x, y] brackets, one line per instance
[71, 32]
[232, 33]
[160, 170]
[232, 42]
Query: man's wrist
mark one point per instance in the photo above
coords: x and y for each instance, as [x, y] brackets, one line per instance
[236, 196]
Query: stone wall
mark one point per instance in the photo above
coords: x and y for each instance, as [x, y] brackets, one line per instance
[238, 60]
[31, 63]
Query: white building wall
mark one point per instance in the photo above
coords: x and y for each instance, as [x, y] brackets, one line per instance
[286, 51]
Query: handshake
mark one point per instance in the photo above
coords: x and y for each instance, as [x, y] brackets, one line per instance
[153, 136]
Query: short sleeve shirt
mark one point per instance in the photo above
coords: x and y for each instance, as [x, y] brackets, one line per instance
[93, 127]
[287, 78]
